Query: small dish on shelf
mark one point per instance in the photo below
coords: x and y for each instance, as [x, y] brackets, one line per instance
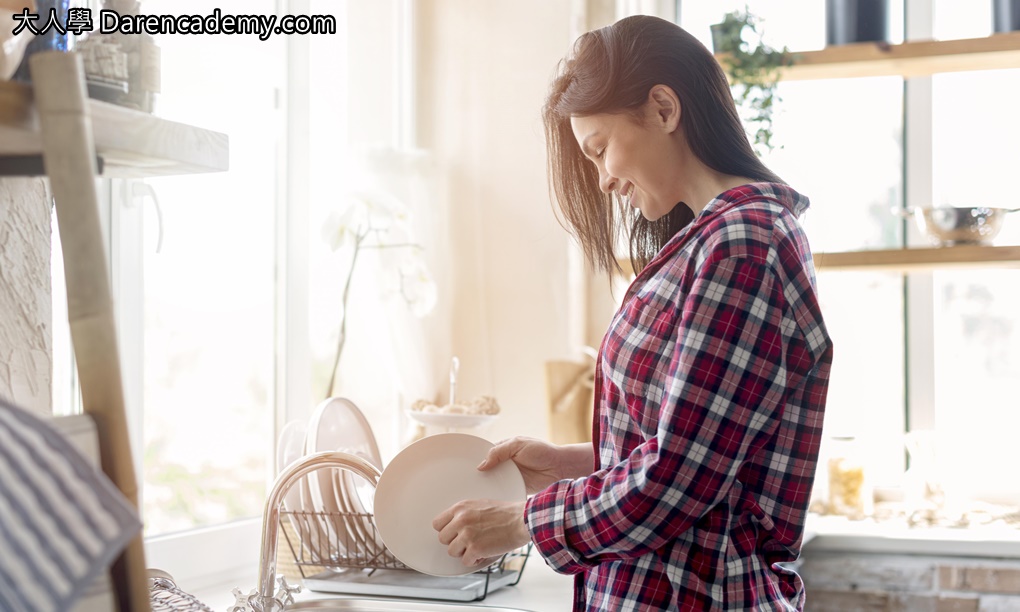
[451, 420]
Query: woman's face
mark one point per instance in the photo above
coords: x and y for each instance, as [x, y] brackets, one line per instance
[636, 159]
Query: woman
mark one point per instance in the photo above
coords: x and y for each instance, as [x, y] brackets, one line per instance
[712, 377]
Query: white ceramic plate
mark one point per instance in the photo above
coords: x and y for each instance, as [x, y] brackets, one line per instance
[451, 421]
[355, 495]
[297, 499]
[428, 477]
[337, 424]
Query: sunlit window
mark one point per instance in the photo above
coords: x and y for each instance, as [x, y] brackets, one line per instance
[853, 188]
[841, 143]
[962, 19]
[209, 318]
[977, 312]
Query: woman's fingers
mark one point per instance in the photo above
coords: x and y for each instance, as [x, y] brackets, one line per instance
[443, 519]
[479, 528]
[457, 549]
[499, 453]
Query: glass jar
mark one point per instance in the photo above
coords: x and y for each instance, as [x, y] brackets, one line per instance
[850, 491]
[50, 37]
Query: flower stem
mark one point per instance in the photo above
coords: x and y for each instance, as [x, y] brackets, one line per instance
[343, 317]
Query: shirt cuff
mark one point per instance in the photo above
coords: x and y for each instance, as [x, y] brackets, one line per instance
[545, 517]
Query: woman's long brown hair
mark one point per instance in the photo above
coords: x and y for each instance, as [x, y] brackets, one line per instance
[611, 70]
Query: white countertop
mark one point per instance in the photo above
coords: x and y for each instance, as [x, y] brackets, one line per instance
[539, 590]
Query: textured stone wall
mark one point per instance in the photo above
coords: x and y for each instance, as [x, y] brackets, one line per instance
[26, 351]
[859, 582]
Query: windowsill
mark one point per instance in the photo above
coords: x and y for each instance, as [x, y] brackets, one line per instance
[209, 558]
[839, 534]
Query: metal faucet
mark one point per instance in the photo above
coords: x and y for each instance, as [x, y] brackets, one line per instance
[263, 599]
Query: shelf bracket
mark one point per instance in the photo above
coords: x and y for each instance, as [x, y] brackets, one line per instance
[30, 165]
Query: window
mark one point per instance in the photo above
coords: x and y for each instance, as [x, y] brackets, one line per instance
[194, 270]
[226, 296]
[917, 352]
[208, 260]
[976, 322]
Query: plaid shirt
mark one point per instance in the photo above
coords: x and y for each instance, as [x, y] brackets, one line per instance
[710, 389]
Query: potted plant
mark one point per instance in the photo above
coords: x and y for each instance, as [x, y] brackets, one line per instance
[753, 69]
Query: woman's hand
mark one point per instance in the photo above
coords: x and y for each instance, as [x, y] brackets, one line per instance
[478, 530]
[540, 462]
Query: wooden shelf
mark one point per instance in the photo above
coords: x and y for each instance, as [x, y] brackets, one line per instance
[131, 143]
[909, 59]
[906, 260]
[924, 259]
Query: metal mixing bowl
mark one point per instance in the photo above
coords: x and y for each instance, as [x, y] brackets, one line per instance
[952, 225]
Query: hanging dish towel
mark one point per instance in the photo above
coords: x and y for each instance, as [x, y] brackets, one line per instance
[62, 521]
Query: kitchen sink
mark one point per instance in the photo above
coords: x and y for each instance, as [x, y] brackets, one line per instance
[380, 605]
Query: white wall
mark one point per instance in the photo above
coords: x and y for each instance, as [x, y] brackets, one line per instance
[483, 70]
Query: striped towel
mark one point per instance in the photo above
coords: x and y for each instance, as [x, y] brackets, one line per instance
[62, 521]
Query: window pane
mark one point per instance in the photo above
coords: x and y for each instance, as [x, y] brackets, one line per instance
[209, 291]
[864, 314]
[799, 24]
[962, 19]
[977, 366]
[840, 143]
[974, 142]
[830, 136]
[977, 312]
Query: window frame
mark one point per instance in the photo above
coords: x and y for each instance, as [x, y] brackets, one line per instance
[229, 551]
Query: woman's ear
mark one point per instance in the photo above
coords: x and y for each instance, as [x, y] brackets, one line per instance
[664, 107]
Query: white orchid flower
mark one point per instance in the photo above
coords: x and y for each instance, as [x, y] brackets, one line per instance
[385, 211]
[342, 227]
[417, 286]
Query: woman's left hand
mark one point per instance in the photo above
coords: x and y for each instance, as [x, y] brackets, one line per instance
[479, 530]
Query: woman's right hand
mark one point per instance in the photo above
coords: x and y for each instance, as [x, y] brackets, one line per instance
[540, 462]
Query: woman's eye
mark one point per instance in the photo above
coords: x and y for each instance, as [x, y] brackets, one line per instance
[600, 154]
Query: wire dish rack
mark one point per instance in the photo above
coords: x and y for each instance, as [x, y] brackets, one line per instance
[341, 552]
[336, 552]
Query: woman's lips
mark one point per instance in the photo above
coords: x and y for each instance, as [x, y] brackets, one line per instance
[627, 195]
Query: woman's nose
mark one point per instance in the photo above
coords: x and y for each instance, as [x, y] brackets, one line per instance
[607, 183]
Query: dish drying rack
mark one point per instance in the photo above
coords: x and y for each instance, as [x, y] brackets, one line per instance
[340, 563]
[349, 564]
